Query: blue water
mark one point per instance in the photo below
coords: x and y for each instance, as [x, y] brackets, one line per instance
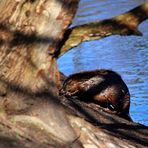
[127, 55]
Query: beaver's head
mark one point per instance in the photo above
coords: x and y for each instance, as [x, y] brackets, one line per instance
[121, 108]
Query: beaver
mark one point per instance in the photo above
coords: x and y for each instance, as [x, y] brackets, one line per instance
[102, 87]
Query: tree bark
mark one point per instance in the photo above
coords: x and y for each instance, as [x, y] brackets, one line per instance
[30, 31]
[31, 113]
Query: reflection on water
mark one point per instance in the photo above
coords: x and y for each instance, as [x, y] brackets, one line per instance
[127, 54]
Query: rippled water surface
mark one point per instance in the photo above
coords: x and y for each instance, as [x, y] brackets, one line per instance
[128, 55]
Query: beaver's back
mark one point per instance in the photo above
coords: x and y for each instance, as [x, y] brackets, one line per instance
[104, 87]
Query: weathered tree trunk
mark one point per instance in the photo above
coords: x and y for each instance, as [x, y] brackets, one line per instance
[30, 31]
[31, 114]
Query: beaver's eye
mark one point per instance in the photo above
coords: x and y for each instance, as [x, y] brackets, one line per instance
[111, 107]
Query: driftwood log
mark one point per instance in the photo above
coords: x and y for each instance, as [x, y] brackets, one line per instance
[33, 33]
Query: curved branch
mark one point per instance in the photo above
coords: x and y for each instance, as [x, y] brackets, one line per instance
[124, 24]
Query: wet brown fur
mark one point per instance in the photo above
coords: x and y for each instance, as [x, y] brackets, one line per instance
[103, 87]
